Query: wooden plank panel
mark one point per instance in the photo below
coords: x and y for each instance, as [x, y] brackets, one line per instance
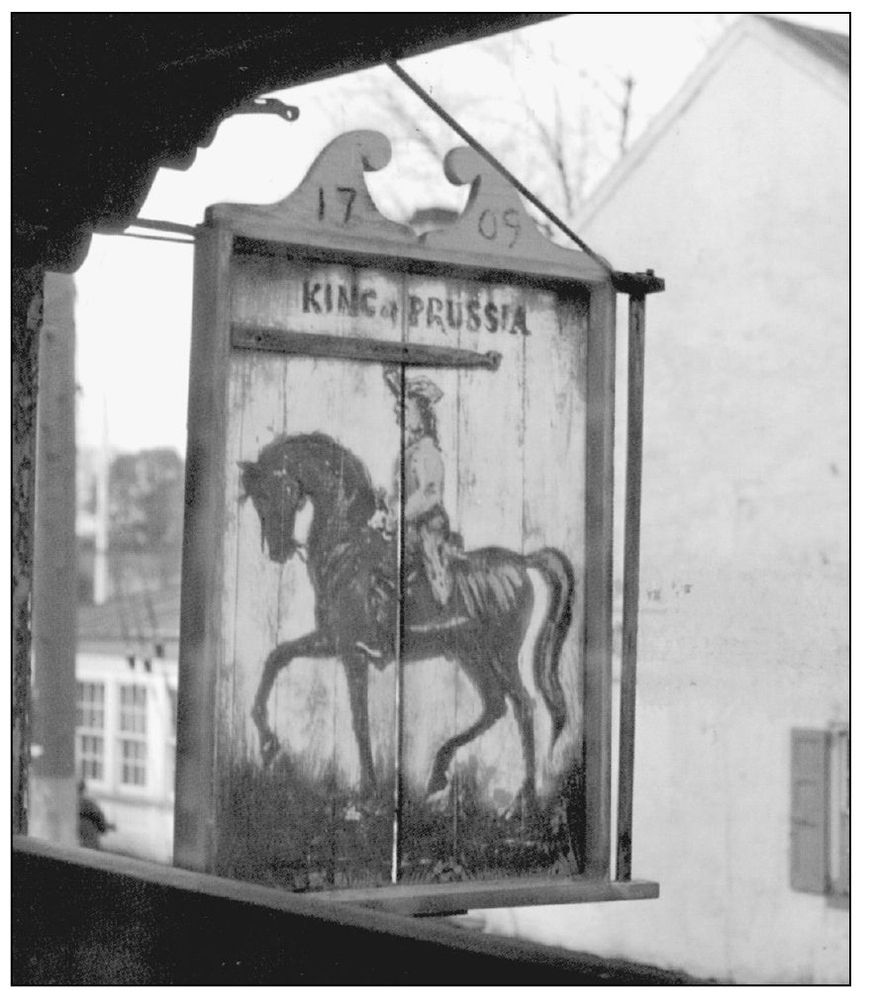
[432, 684]
[487, 820]
[300, 807]
[554, 454]
[276, 290]
[598, 661]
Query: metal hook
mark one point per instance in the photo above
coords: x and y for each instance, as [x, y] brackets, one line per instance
[268, 106]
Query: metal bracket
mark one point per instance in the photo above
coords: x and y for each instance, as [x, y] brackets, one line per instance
[267, 106]
[638, 283]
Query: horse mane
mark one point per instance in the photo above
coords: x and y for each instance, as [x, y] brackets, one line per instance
[319, 450]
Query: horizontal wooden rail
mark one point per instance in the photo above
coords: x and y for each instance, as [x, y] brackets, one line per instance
[361, 349]
[452, 898]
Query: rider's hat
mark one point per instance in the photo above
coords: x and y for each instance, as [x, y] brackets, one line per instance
[416, 387]
[421, 387]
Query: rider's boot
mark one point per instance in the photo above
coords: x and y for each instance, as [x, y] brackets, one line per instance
[369, 651]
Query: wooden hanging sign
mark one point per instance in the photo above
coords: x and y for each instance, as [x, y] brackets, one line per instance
[395, 666]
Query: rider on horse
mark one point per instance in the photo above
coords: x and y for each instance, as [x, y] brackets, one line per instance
[426, 523]
[429, 544]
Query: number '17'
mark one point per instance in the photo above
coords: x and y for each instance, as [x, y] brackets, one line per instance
[345, 194]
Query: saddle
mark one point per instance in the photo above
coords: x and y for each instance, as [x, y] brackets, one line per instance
[429, 580]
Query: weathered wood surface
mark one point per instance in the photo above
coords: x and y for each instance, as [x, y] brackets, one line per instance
[200, 652]
[362, 350]
[505, 439]
[293, 789]
[594, 823]
[299, 820]
[53, 801]
[455, 898]
[630, 583]
[496, 225]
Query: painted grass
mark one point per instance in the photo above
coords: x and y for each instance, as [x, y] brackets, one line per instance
[291, 827]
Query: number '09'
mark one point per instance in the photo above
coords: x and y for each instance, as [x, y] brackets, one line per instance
[489, 225]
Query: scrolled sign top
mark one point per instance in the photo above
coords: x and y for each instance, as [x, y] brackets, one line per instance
[333, 207]
[496, 224]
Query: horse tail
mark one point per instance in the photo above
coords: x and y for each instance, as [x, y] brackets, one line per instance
[559, 576]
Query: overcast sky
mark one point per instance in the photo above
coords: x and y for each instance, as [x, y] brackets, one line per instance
[134, 297]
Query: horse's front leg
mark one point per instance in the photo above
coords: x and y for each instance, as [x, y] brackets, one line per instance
[311, 645]
[356, 674]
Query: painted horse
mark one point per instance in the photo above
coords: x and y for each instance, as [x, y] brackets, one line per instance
[351, 565]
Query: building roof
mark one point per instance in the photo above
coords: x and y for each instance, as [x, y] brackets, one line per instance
[135, 624]
[829, 45]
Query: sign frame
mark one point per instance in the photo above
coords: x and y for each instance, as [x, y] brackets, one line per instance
[331, 217]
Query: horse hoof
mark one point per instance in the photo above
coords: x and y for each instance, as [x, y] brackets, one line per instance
[269, 750]
[524, 805]
[439, 800]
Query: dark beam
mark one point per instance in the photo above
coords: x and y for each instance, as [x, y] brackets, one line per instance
[83, 917]
[27, 303]
[101, 101]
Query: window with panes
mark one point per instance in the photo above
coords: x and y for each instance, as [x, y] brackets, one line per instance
[90, 726]
[133, 748]
[173, 703]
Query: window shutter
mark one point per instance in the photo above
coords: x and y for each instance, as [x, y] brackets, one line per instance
[840, 802]
[809, 811]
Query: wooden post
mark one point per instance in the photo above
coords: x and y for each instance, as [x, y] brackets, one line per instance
[597, 683]
[199, 660]
[53, 812]
[27, 298]
[631, 582]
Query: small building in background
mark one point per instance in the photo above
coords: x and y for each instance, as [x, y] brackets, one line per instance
[738, 195]
[126, 688]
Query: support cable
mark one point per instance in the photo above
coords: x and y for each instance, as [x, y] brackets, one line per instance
[166, 226]
[637, 285]
[439, 110]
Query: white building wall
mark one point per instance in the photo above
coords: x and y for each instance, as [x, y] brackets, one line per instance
[742, 206]
[141, 815]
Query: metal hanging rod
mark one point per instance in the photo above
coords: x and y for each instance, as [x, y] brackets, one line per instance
[439, 110]
[167, 226]
[153, 237]
[161, 226]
